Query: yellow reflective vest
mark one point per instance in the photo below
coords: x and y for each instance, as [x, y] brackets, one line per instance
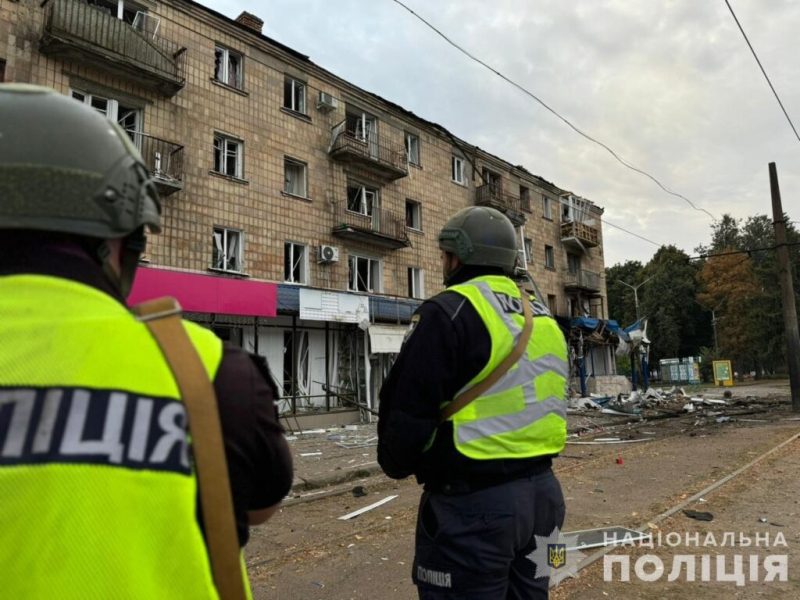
[98, 498]
[522, 415]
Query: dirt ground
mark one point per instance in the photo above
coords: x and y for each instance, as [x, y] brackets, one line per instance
[306, 552]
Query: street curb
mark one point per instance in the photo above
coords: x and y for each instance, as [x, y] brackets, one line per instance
[335, 478]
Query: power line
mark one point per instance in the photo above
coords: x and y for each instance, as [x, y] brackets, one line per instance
[641, 237]
[762, 69]
[747, 251]
[554, 112]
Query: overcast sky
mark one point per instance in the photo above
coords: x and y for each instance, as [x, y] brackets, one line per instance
[670, 85]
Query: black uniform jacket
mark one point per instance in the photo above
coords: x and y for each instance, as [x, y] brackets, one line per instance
[447, 346]
[259, 461]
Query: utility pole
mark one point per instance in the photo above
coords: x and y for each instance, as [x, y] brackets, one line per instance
[714, 326]
[635, 289]
[787, 290]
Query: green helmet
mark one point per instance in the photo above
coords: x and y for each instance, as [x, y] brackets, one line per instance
[481, 236]
[65, 168]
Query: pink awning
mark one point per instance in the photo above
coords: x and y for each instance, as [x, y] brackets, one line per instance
[206, 293]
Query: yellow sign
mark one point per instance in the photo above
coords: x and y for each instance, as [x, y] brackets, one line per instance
[723, 373]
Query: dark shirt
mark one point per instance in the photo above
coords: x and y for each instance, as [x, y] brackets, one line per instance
[259, 461]
[448, 346]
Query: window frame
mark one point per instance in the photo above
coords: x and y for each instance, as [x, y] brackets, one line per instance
[295, 83]
[222, 75]
[547, 207]
[552, 306]
[416, 211]
[416, 283]
[527, 248]
[239, 166]
[549, 257]
[288, 161]
[299, 264]
[457, 167]
[525, 198]
[412, 142]
[225, 231]
[364, 203]
[374, 272]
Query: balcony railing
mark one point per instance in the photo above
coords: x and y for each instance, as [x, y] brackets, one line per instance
[382, 227]
[385, 159]
[164, 160]
[494, 196]
[579, 234]
[78, 31]
[582, 280]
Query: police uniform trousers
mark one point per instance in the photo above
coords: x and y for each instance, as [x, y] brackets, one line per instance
[472, 545]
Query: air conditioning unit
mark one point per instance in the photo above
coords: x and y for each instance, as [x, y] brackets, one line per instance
[327, 102]
[327, 254]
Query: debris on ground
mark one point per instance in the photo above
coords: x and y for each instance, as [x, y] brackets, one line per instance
[698, 515]
[361, 511]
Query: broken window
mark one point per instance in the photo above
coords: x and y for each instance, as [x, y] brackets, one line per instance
[551, 303]
[528, 245]
[547, 209]
[295, 177]
[549, 258]
[573, 263]
[413, 215]
[361, 199]
[125, 10]
[524, 198]
[128, 117]
[412, 149]
[295, 263]
[228, 67]
[491, 178]
[567, 212]
[228, 156]
[294, 95]
[226, 252]
[364, 275]
[416, 283]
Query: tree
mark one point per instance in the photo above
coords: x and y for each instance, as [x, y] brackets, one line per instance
[677, 326]
[725, 234]
[731, 288]
[620, 297]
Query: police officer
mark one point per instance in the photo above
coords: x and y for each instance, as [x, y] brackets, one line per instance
[489, 489]
[97, 495]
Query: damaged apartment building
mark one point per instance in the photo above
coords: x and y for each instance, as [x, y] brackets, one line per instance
[300, 212]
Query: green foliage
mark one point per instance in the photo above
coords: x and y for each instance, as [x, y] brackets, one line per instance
[621, 304]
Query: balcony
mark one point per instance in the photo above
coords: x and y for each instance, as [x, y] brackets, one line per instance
[581, 280]
[384, 160]
[76, 31]
[494, 196]
[579, 236]
[381, 228]
[164, 161]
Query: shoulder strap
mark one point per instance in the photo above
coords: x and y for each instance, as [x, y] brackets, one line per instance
[479, 388]
[163, 319]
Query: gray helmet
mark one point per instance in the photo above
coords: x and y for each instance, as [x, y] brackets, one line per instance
[65, 168]
[481, 236]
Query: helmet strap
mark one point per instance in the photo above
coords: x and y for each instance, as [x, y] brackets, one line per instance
[132, 247]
